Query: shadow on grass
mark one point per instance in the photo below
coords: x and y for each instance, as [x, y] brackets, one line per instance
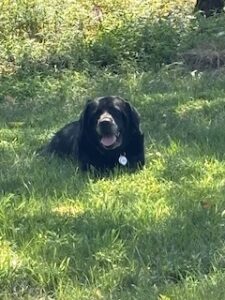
[42, 178]
[133, 252]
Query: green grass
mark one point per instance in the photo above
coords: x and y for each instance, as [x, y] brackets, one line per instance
[155, 234]
[129, 236]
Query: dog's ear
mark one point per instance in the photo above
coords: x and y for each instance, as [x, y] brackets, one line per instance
[84, 116]
[134, 117]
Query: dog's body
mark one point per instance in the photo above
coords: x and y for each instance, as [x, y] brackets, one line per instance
[106, 135]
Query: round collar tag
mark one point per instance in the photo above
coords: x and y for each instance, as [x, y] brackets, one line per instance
[123, 160]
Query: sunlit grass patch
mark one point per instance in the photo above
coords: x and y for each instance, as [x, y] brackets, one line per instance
[161, 210]
[9, 259]
[69, 209]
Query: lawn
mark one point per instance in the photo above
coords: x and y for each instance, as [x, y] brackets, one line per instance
[154, 234]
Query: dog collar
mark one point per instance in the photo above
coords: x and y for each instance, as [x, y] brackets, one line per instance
[122, 160]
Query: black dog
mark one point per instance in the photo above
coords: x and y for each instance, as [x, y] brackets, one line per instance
[107, 134]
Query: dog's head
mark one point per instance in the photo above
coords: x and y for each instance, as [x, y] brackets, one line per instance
[109, 122]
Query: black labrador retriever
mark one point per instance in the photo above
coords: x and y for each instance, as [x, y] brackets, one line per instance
[106, 135]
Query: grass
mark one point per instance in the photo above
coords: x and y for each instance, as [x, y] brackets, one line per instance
[155, 234]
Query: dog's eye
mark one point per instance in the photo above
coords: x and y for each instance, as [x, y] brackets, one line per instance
[117, 108]
[116, 111]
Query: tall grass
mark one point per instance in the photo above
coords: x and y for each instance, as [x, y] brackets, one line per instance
[39, 37]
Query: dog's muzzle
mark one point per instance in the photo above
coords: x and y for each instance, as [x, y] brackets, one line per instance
[108, 131]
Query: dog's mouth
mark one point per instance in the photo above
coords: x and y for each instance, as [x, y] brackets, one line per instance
[111, 141]
[108, 132]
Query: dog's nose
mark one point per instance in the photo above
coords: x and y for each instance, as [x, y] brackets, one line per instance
[105, 122]
[105, 125]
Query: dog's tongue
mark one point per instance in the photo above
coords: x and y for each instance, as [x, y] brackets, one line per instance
[108, 140]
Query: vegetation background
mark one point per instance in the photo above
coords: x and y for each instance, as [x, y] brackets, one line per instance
[155, 234]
